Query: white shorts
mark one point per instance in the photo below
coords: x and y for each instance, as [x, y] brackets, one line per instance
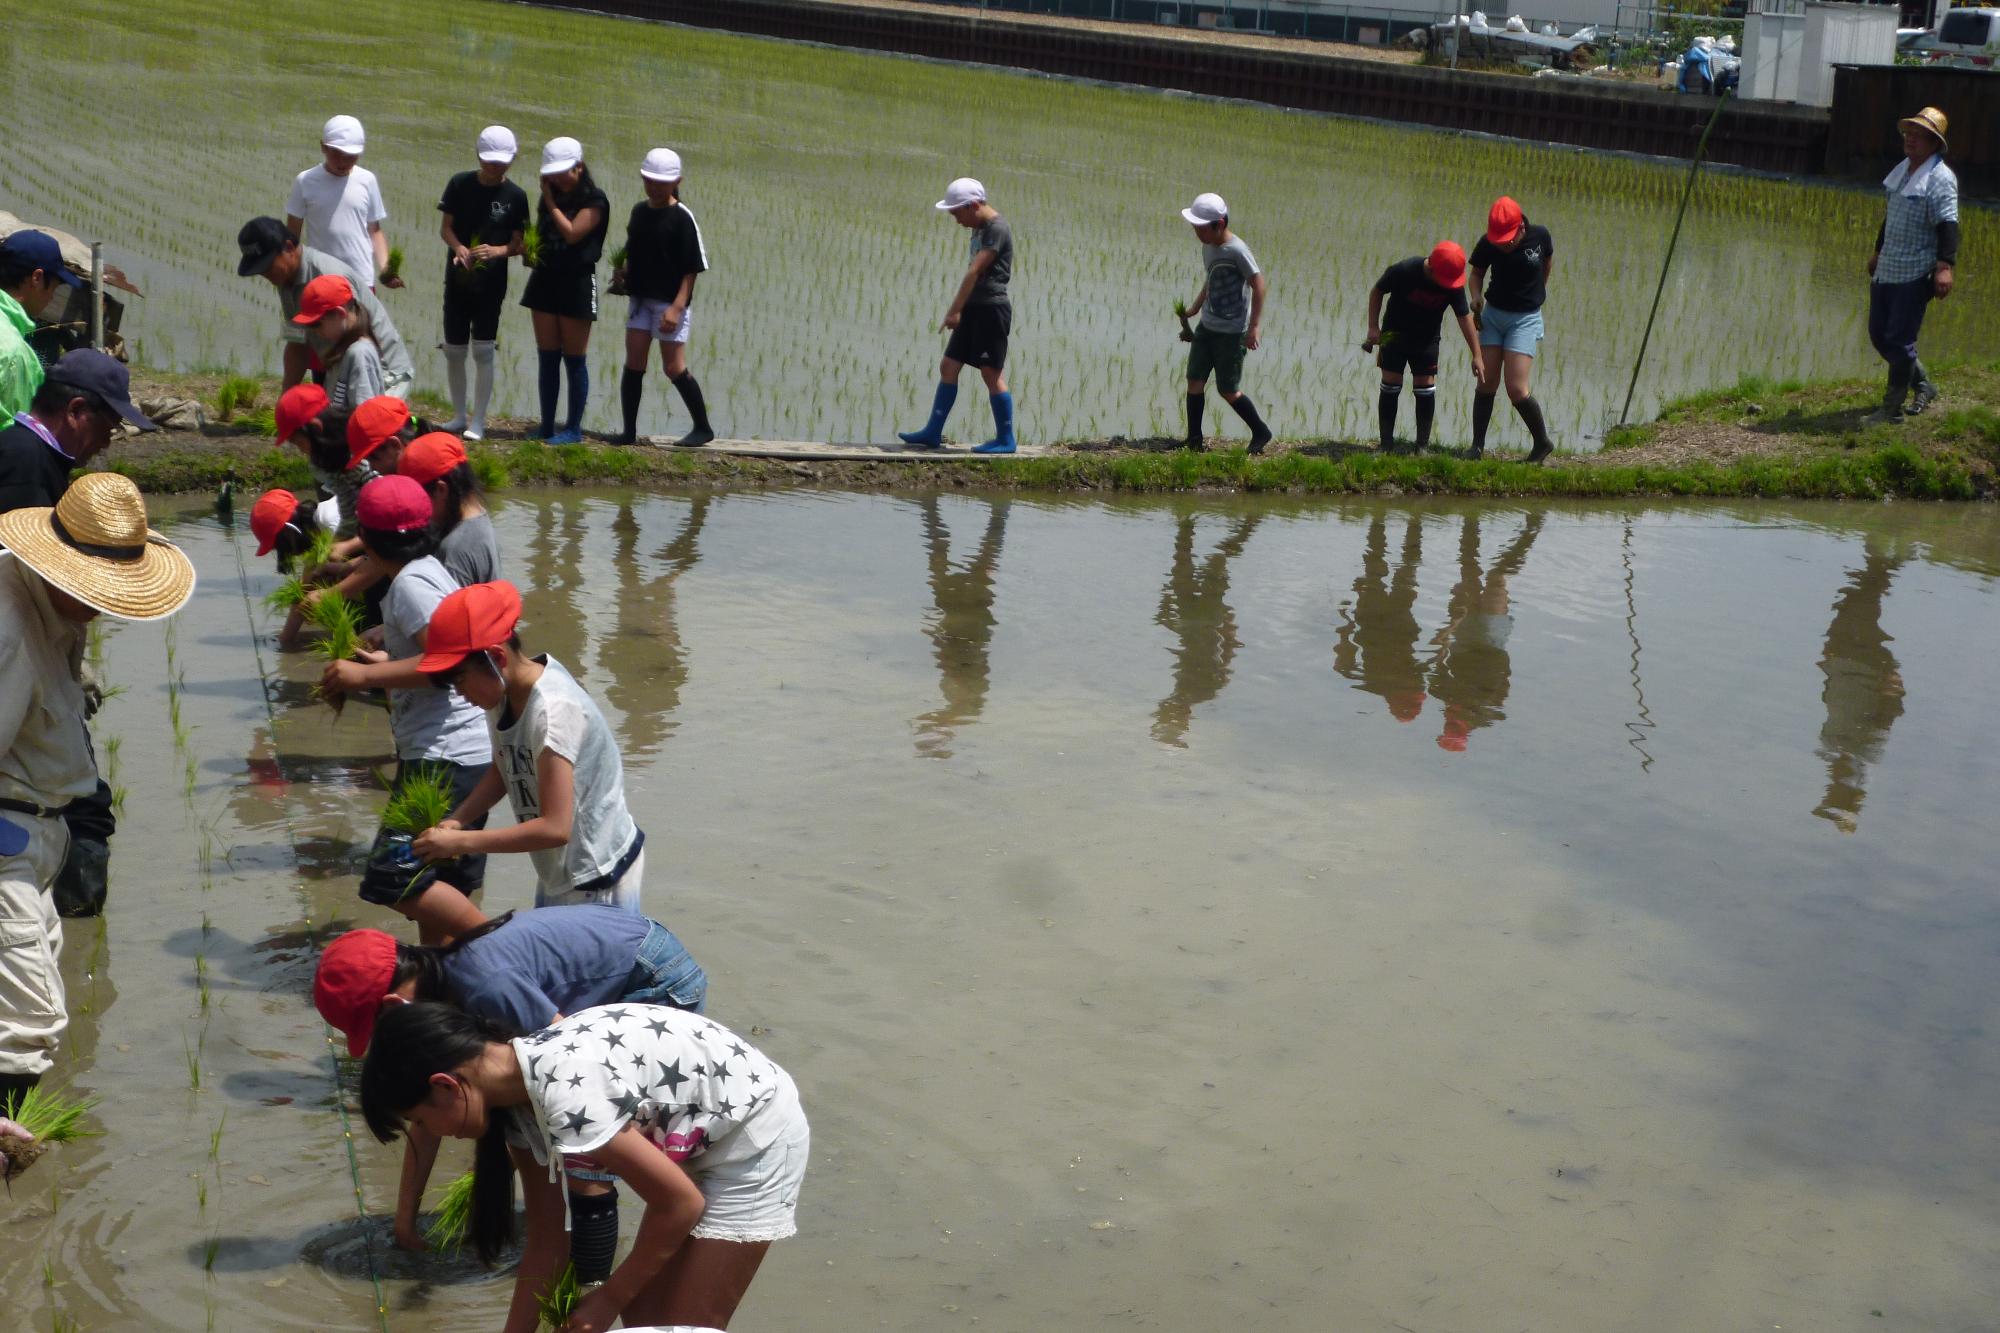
[625, 893]
[645, 317]
[757, 1198]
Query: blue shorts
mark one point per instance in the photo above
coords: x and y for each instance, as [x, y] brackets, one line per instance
[1514, 330]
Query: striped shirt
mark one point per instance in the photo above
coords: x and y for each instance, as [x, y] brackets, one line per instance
[1918, 201]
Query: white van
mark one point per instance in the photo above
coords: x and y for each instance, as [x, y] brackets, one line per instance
[1965, 39]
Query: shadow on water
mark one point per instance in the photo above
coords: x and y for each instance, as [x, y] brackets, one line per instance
[645, 661]
[959, 624]
[1864, 689]
[353, 1250]
[1194, 606]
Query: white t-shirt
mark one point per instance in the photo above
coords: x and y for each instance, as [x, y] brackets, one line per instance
[701, 1094]
[428, 723]
[561, 717]
[338, 211]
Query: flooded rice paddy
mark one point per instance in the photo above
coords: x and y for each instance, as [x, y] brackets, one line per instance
[813, 172]
[1178, 915]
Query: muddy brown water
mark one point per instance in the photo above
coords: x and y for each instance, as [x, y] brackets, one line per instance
[1179, 915]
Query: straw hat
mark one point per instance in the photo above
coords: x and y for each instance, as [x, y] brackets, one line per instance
[95, 546]
[1930, 120]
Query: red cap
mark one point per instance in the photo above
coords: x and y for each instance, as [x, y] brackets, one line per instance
[429, 457]
[1455, 733]
[269, 515]
[1504, 221]
[476, 617]
[296, 406]
[323, 295]
[374, 424]
[354, 976]
[1447, 265]
[393, 504]
[1405, 705]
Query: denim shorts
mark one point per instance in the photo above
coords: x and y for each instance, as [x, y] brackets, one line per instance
[666, 973]
[1513, 330]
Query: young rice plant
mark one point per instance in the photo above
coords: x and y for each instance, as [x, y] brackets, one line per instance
[449, 1224]
[50, 1117]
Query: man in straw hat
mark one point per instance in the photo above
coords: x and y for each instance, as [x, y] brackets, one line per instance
[1912, 263]
[89, 554]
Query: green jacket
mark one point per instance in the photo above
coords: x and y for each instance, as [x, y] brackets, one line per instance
[20, 368]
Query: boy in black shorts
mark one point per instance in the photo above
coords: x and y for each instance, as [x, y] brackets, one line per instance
[979, 318]
[485, 215]
[1419, 289]
[1231, 309]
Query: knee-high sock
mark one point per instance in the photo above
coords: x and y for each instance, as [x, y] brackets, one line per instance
[1003, 418]
[631, 388]
[690, 392]
[548, 377]
[1196, 404]
[579, 390]
[1243, 407]
[454, 376]
[593, 1234]
[482, 385]
[1531, 416]
[1385, 412]
[1426, 412]
[933, 431]
[1482, 413]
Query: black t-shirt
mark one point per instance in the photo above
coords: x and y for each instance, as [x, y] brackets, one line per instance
[1416, 304]
[484, 215]
[662, 246]
[558, 255]
[31, 473]
[1514, 277]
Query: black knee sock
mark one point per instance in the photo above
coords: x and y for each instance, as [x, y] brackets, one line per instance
[1385, 413]
[1196, 404]
[593, 1234]
[549, 382]
[1246, 409]
[1531, 416]
[631, 388]
[691, 395]
[579, 390]
[1426, 412]
[1482, 413]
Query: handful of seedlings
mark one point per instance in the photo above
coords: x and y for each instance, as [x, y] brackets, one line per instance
[339, 619]
[392, 272]
[51, 1118]
[293, 590]
[423, 801]
[453, 1218]
[1181, 313]
[617, 284]
[559, 1299]
[531, 244]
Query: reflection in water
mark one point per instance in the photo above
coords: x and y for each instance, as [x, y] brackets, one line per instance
[1471, 671]
[960, 625]
[1864, 689]
[1643, 723]
[1194, 605]
[552, 617]
[644, 660]
[1377, 644]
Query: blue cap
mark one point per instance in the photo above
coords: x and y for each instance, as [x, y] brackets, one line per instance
[39, 250]
[91, 371]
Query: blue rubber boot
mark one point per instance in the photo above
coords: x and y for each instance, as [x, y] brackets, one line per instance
[1003, 427]
[932, 435]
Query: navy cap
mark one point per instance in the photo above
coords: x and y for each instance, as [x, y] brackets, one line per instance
[91, 371]
[261, 240]
[40, 250]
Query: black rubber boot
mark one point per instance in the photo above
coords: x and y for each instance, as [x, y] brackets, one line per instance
[82, 885]
[1891, 411]
[1923, 392]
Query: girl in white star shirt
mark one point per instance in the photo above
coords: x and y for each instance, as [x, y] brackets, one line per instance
[700, 1125]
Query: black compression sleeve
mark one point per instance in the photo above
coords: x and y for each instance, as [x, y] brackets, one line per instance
[1947, 242]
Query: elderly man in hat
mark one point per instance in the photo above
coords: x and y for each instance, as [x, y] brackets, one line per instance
[1912, 263]
[89, 554]
[68, 423]
[31, 268]
[272, 253]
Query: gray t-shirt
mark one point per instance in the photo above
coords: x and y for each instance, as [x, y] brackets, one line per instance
[356, 377]
[471, 552]
[997, 236]
[1230, 266]
[543, 963]
[428, 723]
[397, 367]
[559, 716]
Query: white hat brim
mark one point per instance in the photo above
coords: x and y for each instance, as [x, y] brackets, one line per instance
[559, 166]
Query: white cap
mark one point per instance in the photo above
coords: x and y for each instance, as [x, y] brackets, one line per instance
[662, 164]
[344, 133]
[496, 144]
[1206, 208]
[961, 192]
[560, 154]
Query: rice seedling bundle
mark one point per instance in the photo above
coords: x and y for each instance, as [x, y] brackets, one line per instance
[559, 1299]
[531, 244]
[339, 618]
[286, 595]
[423, 801]
[51, 1118]
[453, 1218]
[394, 268]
